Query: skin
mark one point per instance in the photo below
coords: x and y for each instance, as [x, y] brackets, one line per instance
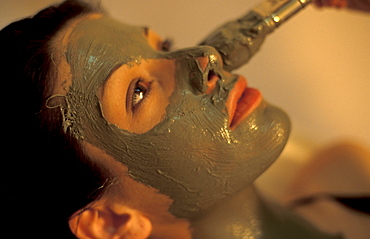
[190, 120]
[163, 121]
[127, 112]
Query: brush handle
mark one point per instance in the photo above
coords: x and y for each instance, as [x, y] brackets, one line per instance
[237, 41]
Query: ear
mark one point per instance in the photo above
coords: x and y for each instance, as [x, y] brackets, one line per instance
[106, 222]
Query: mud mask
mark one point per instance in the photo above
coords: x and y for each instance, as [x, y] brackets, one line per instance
[191, 155]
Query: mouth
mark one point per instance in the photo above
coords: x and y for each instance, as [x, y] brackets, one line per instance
[241, 102]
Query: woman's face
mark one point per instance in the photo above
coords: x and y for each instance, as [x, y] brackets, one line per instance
[178, 121]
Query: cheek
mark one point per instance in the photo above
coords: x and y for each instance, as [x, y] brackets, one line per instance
[149, 115]
[113, 110]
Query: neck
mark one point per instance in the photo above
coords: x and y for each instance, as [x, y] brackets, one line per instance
[246, 215]
[238, 217]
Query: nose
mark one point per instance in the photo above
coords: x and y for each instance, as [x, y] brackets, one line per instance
[209, 80]
[205, 68]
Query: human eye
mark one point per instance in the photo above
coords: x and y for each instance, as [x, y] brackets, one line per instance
[166, 45]
[156, 42]
[137, 93]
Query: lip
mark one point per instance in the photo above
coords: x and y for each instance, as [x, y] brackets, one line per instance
[241, 102]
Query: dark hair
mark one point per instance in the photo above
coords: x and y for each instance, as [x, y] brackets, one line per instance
[45, 177]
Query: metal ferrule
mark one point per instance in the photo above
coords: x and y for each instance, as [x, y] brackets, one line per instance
[276, 12]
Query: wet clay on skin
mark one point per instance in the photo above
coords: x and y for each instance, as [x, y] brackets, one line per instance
[191, 155]
[239, 40]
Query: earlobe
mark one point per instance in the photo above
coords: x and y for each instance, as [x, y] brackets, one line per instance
[104, 222]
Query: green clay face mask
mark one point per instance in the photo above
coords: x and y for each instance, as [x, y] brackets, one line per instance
[191, 155]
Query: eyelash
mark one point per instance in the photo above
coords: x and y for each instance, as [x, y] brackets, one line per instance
[135, 100]
[138, 92]
[166, 45]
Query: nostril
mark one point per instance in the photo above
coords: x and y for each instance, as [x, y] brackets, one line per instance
[212, 76]
[212, 79]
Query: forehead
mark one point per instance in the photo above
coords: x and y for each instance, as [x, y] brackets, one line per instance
[110, 36]
[98, 46]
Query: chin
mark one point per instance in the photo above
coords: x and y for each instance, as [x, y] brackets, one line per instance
[263, 136]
